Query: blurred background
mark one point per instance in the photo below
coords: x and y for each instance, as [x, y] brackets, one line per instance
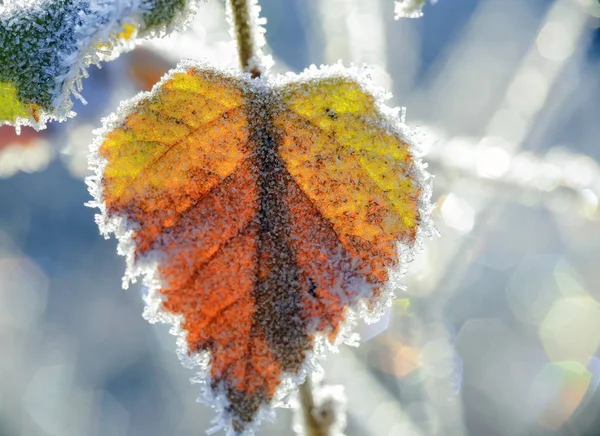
[498, 330]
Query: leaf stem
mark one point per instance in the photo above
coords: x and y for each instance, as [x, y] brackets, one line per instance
[244, 34]
[312, 425]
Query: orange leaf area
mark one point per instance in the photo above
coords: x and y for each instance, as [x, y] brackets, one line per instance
[275, 207]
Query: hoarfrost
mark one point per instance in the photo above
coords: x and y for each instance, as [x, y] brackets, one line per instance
[259, 61]
[46, 46]
[267, 118]
[409, 8]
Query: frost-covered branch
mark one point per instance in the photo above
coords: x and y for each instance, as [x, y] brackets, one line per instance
[322, 408]
[46, 45]
[244, 34]
[247, 30]
[312, 426]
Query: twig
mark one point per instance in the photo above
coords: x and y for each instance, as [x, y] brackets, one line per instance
[314, 425]
[245, 36]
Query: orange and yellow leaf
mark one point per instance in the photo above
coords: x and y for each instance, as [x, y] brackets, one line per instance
[263, 213]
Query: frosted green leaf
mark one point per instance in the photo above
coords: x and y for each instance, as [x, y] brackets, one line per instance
[46, 46]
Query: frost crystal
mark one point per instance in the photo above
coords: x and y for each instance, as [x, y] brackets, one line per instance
[409, 8]
[46, 46]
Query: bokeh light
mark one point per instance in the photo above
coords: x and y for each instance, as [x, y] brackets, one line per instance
[571, 329]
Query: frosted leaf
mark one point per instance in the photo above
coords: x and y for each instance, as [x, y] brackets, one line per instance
[265, 216]
[46, 46]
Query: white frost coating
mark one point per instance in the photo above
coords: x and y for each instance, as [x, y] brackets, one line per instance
[409, 8]
[259, 60]
[83, 33]
[330, 407]
[146, 265]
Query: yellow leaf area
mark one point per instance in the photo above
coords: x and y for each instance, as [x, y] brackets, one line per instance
[352, 168]
[11, 108]
[276, 206]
